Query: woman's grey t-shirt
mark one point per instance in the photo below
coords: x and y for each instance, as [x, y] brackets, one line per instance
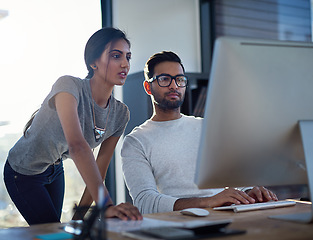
[45, 142]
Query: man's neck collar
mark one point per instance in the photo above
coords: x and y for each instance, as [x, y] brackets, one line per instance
[163, 118]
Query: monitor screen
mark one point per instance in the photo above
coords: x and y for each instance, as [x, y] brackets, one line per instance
[258, 91]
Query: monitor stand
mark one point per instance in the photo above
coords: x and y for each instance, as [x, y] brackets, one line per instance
[306, 131]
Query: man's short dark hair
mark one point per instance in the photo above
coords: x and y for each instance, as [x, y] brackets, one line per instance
[164, 56]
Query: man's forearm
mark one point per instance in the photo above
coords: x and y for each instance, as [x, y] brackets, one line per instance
[197, 202]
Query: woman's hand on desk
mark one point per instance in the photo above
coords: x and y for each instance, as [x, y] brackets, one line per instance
[124, 211]
[262, 194]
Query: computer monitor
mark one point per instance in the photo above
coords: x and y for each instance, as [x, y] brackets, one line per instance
[258, 121]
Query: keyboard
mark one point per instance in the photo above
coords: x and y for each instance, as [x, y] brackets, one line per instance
[257, 206]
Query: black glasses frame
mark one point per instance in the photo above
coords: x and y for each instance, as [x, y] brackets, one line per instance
[172, 77]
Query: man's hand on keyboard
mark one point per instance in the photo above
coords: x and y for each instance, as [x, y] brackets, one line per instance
[262, 194]
[229, 196]
[235, 196]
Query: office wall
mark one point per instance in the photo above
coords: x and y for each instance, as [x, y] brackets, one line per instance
[153, 26]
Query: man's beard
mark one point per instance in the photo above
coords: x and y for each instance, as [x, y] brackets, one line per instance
[166, 105]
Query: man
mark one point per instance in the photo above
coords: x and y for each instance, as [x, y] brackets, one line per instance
[159, 156]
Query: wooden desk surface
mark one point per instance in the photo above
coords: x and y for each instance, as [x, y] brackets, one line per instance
[256, 223]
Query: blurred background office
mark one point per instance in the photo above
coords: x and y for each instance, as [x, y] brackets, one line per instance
[41, 40]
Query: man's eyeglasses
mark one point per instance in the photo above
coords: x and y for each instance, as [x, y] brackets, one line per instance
[165, 80]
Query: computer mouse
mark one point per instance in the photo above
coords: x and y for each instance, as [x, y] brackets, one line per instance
[199, 212]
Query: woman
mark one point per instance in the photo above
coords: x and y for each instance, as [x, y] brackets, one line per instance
[76, 116]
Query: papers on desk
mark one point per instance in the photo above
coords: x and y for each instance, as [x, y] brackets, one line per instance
[149, 228]
[152, 229]
[117, 225]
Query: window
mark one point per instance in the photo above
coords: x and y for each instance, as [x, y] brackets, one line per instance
[39, 42]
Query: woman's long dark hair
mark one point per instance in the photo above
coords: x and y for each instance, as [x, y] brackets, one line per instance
[94, 48]
[30, 121]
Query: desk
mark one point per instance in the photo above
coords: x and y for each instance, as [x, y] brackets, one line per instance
[256, 223]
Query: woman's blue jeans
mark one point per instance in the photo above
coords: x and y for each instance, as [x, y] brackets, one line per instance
[39, 198]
